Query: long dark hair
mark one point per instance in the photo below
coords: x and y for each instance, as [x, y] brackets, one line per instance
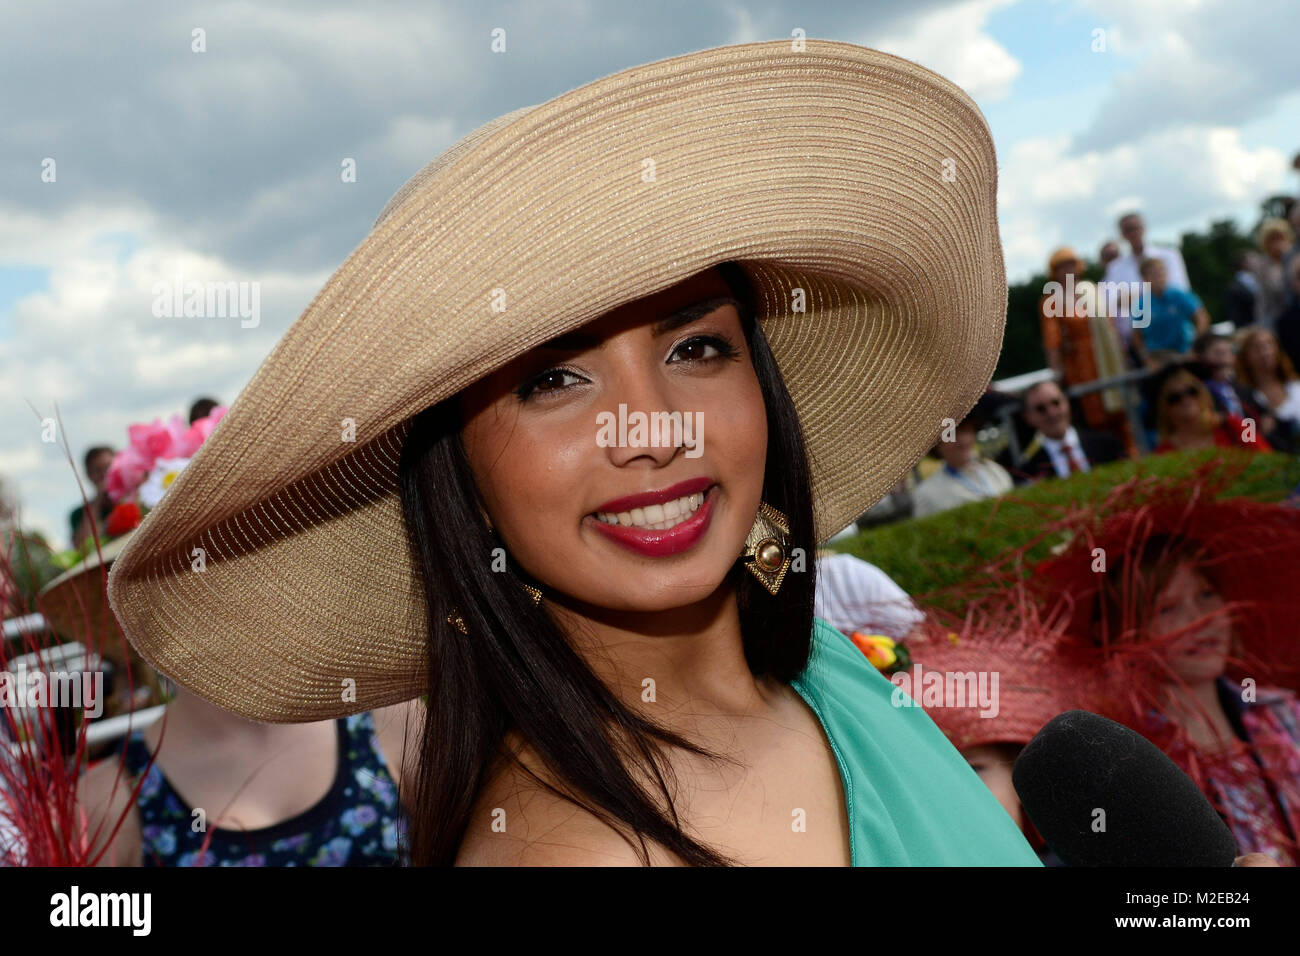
[515, 670]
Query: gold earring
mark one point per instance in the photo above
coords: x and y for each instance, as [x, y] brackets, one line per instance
[458, 622]
[767, 548]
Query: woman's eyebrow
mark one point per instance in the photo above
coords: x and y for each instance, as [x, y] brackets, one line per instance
[690, 313]
[579, 340]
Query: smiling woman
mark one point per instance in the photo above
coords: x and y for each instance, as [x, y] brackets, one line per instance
[1192, 615]
[615, 637]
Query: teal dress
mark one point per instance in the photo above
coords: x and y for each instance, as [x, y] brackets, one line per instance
[912, 799]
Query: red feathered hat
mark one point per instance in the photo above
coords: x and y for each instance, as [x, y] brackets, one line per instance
[1004, 646]
[1249, 550]
[1042, 631]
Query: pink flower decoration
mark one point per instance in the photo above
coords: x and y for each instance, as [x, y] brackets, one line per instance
[128, 471]
[198, 432]
[176, 427]
[152, 442]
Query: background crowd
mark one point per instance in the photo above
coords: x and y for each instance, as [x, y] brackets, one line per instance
[1132, 365]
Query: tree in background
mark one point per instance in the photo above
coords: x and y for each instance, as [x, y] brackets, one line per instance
[1209, 262]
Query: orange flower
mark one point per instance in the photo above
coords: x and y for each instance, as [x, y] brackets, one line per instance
[880, 650]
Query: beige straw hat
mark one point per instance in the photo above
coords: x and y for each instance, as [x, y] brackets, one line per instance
[862, 179]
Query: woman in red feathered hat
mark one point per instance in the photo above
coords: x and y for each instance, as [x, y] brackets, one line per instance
[1193, 606]
[992, 680]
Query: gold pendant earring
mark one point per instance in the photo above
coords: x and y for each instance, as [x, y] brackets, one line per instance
[767, 548]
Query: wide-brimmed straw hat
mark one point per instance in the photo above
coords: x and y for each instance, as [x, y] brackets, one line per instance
[862, 179]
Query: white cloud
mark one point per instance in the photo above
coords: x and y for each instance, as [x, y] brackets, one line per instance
[952, 42]
[1180, 178]
[744, 30]
[91, 348]
[29, 239]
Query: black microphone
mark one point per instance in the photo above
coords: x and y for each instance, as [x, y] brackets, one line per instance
[1103, 795]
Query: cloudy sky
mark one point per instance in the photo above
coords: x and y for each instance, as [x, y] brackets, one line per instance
[226, 163]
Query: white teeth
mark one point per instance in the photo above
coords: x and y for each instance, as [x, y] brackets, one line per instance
[656, 517]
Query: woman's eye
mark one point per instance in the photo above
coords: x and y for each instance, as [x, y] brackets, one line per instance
[703, 348]
[552, 380]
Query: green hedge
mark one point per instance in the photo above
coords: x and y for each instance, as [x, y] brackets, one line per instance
[927, 554]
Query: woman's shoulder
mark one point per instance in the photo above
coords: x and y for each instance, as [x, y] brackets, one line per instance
[1279, 699]
[104, 796]
[1274, 711]
[521, 817]
[398, 730]
[840, 682]
[834, 655]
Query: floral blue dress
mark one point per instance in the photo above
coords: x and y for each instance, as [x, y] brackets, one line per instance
[358, 823]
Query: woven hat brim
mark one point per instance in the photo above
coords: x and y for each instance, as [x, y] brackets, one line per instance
[862, 179]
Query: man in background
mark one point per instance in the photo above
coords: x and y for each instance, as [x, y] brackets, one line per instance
[965, 475]
[1128, 268]
[1058, 449]
[1108, 254]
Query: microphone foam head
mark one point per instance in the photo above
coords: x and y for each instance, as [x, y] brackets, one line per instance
[1102, 795]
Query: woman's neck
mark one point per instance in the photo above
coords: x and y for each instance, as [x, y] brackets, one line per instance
[189, 718]
[1197, 709]
[681, 664]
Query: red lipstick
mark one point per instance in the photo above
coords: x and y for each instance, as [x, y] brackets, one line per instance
[649, 541]
[680, 490]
